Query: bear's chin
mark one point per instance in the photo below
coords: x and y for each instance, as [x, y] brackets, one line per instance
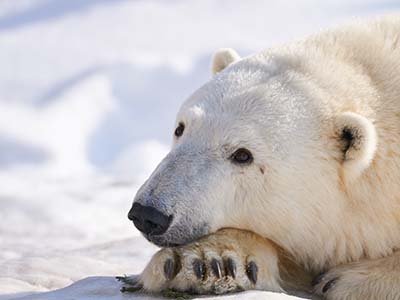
[173, 237]
[160, 242]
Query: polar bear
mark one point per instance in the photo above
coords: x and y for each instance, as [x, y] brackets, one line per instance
[285, 165]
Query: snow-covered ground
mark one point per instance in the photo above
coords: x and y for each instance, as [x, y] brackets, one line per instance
[88, 95]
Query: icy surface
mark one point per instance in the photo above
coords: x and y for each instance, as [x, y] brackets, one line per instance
[88, 96]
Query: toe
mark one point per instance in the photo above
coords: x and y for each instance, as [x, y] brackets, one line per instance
[172, 266]
[252, 271]
[199, 268]
[230, 267]
[160, 271]
[216, 268]
[169, 269]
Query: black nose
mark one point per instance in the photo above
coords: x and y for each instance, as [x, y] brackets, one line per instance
[148, 219]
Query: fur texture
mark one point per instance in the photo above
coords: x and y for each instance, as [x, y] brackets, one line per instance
[223, 58]
[321, 118]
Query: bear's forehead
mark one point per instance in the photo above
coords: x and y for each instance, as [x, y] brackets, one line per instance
[251, 99]
[229, 92]
[251, 93]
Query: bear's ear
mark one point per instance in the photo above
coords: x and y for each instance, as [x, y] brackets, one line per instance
[358, 142]
[223, 58]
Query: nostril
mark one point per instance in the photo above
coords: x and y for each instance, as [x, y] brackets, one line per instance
[149, 220]
[135, 211]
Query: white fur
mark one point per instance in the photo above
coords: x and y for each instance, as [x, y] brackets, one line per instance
[223, 58]
[285, 105]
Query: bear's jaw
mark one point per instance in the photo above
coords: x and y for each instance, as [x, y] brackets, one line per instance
[161, 243]
[178, 235]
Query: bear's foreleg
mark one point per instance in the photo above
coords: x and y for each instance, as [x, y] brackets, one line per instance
[229, 260]
[367, 280]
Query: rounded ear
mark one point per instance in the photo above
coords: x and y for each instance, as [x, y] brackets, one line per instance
[358, 142]
[223, 58]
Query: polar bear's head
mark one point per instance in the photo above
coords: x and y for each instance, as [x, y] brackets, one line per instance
[258, 147]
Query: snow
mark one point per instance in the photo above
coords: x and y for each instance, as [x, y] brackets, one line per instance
[88, 96]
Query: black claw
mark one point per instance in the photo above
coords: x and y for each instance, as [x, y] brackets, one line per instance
[127, 280]
[329, 285]
[252, 271]
[199, 269]
[230, 267]
[216, 268]
[317, 279]
[169, 269]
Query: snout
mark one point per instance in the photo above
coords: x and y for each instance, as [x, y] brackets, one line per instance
[149, 220]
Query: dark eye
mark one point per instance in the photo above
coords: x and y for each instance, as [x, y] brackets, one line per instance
[179, 130]
[242, 156]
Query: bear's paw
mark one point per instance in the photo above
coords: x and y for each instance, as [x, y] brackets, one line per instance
[227, 261]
